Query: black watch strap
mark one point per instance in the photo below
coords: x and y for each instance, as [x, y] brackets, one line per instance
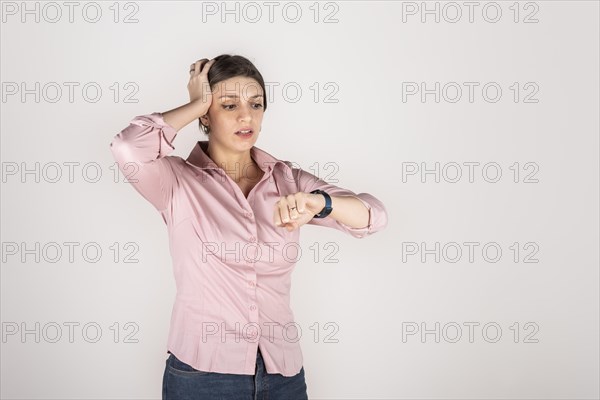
[327, 209]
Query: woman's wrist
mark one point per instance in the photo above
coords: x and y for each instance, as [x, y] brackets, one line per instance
[319, 200]
[183, 115]
[200, 106]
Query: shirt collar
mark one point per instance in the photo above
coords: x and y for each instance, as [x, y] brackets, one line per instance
[265, 161]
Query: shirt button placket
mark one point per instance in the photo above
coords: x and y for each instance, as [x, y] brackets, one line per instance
[253, 320]
[252, 307]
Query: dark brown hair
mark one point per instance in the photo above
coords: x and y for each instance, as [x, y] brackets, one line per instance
[229, 66]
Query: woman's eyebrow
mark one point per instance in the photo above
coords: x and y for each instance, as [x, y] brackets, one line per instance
[235, 96]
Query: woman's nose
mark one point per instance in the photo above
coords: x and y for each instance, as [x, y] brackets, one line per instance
[245, 113]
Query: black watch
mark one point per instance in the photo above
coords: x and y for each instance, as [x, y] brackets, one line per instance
[327, 209]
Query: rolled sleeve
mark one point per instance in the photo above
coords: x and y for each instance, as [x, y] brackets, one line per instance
[166, 134]
[369, 229]
[141, 151]
[378, 219]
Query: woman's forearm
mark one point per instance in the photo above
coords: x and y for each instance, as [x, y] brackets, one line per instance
[183, 115]
[348, 210]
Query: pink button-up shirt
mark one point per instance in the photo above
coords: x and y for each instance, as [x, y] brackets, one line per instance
[232, 265]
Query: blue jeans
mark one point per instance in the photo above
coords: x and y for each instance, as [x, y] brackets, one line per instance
[182, 382]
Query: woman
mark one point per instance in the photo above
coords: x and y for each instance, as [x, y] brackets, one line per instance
[233, 213]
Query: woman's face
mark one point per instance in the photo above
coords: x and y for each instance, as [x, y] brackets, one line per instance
[237, 104]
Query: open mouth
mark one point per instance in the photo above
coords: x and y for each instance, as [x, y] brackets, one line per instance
[245, 132]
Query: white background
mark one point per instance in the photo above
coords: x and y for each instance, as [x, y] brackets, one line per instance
[371, 294]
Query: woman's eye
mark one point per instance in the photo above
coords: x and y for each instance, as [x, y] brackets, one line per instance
[227, 106]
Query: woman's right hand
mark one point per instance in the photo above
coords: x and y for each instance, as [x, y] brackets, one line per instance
[198, 86]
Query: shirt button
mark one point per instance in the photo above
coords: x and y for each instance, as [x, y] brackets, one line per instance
[251, 283]
[252, 239]
[248, 214]
[253, 307]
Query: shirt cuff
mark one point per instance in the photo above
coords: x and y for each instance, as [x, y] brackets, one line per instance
[167, 132]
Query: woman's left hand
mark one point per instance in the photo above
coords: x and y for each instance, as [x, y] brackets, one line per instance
[294, 210]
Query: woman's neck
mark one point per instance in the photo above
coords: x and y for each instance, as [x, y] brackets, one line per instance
[239, 166]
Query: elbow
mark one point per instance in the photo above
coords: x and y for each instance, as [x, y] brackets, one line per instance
[113, 145]
[383, 223]
[118, 148]
[381, 219]
[123, 151]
